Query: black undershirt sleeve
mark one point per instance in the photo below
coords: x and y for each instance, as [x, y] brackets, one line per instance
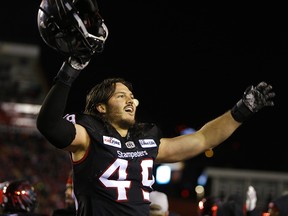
[50, 122]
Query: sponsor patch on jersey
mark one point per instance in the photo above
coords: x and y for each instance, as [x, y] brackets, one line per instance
[111, 141]
[130, 144]
[147, 143]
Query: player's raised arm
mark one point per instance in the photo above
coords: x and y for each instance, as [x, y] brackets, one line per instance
[219, 129]
[76, 30]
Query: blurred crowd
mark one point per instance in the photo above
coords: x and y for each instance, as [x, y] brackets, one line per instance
[236, 205]
[30, 157]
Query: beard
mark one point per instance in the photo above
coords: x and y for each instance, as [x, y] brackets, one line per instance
[126, 123]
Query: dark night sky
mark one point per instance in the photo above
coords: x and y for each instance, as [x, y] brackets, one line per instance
[188, 63]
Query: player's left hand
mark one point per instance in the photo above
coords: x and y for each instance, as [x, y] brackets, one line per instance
[255, 98]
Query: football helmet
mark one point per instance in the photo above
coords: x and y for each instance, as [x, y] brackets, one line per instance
[19, 196]
[73, 27]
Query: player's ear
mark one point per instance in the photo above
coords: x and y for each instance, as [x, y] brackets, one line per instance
[101, 108]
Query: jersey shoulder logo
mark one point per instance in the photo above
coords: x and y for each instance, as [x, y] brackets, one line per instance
[71, 118]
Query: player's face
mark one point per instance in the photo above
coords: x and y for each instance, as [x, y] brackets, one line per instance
[121, 109]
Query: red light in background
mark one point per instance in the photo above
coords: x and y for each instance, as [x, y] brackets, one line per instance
[185, 193]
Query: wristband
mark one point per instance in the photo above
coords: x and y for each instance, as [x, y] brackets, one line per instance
[67, 74]
[240, 112]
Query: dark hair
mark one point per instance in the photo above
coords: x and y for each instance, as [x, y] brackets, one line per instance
[101, 93]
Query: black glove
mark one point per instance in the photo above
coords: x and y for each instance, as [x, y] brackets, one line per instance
[70, 70]
[254, 99]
